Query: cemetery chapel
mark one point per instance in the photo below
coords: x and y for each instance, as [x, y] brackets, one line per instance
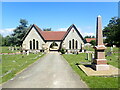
[36, 39]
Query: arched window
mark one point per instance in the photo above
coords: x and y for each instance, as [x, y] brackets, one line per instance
[33, 43]
[37, 44]
[76, 44]
[72, 43]
[69, 44]
[30, 44]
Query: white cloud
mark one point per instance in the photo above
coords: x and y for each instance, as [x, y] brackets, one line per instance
[62, 29]
[80, 30]
[6, 31]
[89, 34]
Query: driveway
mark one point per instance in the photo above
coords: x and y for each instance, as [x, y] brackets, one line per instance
[51, 71]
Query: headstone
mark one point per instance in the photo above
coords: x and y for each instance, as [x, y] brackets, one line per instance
[9, 48]
[92, 56]
[99, 63]
[109, 53]
[27, 52]
[88, 57]
[111, 49]
[12, 48]
[24, 52]
[114, 45]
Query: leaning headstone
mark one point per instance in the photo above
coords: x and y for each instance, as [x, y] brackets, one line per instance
[99, 63]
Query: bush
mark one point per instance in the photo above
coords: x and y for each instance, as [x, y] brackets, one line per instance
[62, 51]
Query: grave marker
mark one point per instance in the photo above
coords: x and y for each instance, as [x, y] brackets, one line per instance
[99, 63]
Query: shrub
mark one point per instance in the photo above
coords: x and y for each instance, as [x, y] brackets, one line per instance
[62, 51]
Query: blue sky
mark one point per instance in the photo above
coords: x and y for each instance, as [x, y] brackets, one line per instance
[57, 15]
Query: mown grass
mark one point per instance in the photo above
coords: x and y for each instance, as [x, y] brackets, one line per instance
[12, 64]
[108, 49]
[6, 50]
[92, 81]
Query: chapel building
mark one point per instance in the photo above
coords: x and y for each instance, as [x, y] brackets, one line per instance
[36, 39]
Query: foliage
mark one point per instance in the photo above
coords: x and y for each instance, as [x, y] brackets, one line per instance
[93, 42]
[16, 63]
[62, 51]
[89, 37]
[92, 81]
[18, 34]
[47, 29]
[1, 40]
[53, 44]
[112, 32]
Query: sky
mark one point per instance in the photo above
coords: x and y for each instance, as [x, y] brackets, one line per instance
[57, 15]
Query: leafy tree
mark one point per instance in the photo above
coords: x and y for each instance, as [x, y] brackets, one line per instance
[89, 37]
[1, 40]
[93, 42]
[112, 32]
[47, 29]
[19, 33]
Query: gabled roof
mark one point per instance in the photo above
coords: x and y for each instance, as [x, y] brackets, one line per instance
[36, 28]
[52, 35]
[68, 30]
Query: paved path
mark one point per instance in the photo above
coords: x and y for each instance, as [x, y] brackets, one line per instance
[51, 71]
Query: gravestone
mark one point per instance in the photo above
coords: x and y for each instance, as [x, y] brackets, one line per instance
[111, 49]
[27, 52]
[109, 53]
[99, 63]
[12, 48]
[24, 52]
[88, 56]
[92, 56]
[9, 48]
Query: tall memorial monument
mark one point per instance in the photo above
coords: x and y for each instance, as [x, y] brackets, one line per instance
[99, 62]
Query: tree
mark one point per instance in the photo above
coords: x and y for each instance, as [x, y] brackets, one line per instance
[89, 37]
[19, 33]
[47, 29]
[93, 42]
[1, 40]
[112, 32]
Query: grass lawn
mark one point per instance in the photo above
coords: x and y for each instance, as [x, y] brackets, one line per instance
[89, 48]
[6, 50]
[12, 64]
[92, 81]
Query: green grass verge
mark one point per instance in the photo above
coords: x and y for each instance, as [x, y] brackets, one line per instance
[91, 81]
[6, 50]
[12, 64]
[89, 48]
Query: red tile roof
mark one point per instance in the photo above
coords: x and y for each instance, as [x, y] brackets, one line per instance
[53, 35]
[90, 39]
